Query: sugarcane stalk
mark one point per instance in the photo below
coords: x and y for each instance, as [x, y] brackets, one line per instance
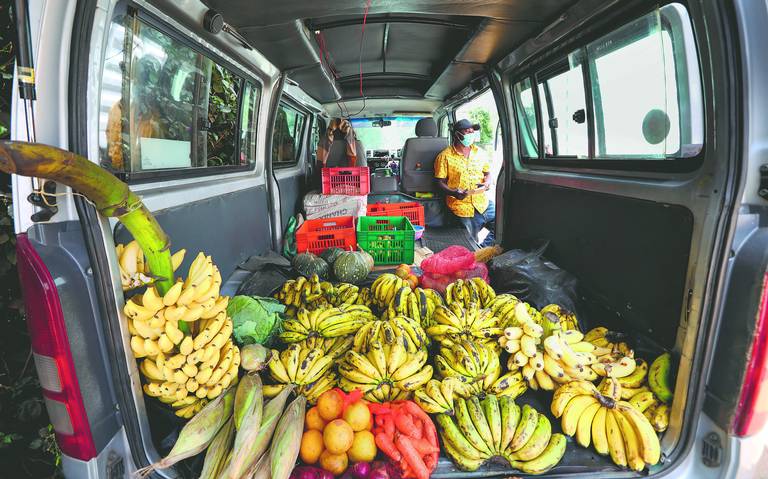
[111, 197]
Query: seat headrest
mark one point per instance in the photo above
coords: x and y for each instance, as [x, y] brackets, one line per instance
[426, 127]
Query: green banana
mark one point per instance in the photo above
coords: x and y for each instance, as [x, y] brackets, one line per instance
[493, 416]
[510, 416]
[461, 461]
[453, 436]
[478, 419]
[546, 460]
[539, 440]
[467, 427]
[524, 431]
[660, 377]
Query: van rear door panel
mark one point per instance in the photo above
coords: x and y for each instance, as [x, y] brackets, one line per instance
[230, 227]
[291, 185]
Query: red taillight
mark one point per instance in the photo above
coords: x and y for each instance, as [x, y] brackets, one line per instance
[752, 411]
[53, 358]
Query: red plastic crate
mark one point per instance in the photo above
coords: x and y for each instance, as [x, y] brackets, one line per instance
[318, 235]
[411, 210]
[352, 181]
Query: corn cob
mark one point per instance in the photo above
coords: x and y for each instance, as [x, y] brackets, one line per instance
[248, 399]
[216, 455]
[287, 439]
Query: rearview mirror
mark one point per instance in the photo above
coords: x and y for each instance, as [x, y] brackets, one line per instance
[381, 123]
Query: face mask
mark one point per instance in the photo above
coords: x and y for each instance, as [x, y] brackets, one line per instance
[469, 138]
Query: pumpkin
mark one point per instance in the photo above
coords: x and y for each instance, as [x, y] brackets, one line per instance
[352, 267]
[307, 264]
[368, 258]
[330, 255]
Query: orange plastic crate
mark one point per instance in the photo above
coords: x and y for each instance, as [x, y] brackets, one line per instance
[318, 235]
[411, 210]
[352, 181]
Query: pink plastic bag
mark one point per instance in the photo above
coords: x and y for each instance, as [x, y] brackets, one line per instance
[449, 261]
[478, 270]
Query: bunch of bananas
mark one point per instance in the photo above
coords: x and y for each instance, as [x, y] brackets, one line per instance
[504, 307]
[308, 293]
[432, 299]
[660, 378]
[365, 297]
[436, 396]
[334, 347]
[455, 322]
[644, 388]
[385, 287]
[557, 318]
[613, 426]
[385, 372]
[400, 329]
[325, 323]
[307, 369]
[409, 303]
[134, 272]
[186, 367]
[476, 366]
[495, 426]
[606, 341]
[613, 356]
[342, 293]
[471, 291]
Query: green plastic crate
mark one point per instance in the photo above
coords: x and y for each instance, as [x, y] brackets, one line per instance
[389, 239]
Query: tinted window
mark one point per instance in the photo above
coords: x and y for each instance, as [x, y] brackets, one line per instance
[286, 138]
[525, 110]
[164, 105]
[563, 107]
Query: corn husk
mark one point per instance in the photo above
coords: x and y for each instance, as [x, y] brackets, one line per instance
[252, 439]
[287, 439]
[261, 469]
[198, 432]
[216, 455]
[249, 399]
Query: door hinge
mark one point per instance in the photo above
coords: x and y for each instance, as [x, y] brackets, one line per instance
[711, 450]
[115, 468]
[763, 188]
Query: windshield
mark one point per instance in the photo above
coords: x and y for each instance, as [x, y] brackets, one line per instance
[390, 137]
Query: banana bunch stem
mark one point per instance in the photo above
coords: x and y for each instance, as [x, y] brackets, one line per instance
[111, 197]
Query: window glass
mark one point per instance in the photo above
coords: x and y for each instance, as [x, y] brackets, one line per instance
[166, 106]
[525, 111]
[286, 138]
[248, 124]
[444, 127]
[563, 107]
[638, 75]
[482, 109]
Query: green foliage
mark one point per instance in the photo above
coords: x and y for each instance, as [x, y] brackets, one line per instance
[255, 319]
[483, 117]
[222, 115]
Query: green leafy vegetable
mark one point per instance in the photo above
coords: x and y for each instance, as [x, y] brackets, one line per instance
[255, 319]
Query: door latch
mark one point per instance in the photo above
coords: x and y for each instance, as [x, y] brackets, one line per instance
[763, 190]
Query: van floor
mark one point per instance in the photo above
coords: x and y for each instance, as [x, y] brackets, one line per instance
[438, 239]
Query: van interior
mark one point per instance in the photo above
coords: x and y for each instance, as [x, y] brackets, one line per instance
[598, 118]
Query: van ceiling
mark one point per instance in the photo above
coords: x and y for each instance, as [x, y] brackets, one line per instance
[411, 49]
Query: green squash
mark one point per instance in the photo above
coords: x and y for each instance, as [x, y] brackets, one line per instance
[307, 264]
[330, 255]
[352, 267]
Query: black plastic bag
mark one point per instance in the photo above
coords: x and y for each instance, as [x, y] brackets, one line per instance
[530, 277]
[267, 274]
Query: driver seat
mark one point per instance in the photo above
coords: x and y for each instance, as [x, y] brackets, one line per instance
[417, 166]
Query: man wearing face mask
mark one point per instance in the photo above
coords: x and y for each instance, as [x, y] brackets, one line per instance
[462, 173]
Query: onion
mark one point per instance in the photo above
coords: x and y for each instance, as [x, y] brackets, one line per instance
[309, 472]
[360, 470]
[379, 470]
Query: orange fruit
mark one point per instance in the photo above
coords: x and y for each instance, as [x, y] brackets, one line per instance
[338, 436]
[357, 416]
[363, 447]
[336, 464]
[329, 405]
[311, 446]
[313, 420]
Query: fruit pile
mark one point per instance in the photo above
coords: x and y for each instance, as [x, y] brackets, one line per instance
[498, 427]
[134, 271]
[338, 432]
[184, 339]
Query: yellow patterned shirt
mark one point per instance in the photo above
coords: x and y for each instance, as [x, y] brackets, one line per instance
[466, 174]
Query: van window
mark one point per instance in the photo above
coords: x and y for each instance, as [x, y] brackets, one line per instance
[286, 138]
[525, 112]
[645, 90]
[443, 127]
[636, 91]
[166, 106]
[564, 113]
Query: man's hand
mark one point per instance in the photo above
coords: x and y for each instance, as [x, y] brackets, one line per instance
[459, 194]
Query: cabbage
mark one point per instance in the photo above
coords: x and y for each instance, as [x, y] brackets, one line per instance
[255, 319]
